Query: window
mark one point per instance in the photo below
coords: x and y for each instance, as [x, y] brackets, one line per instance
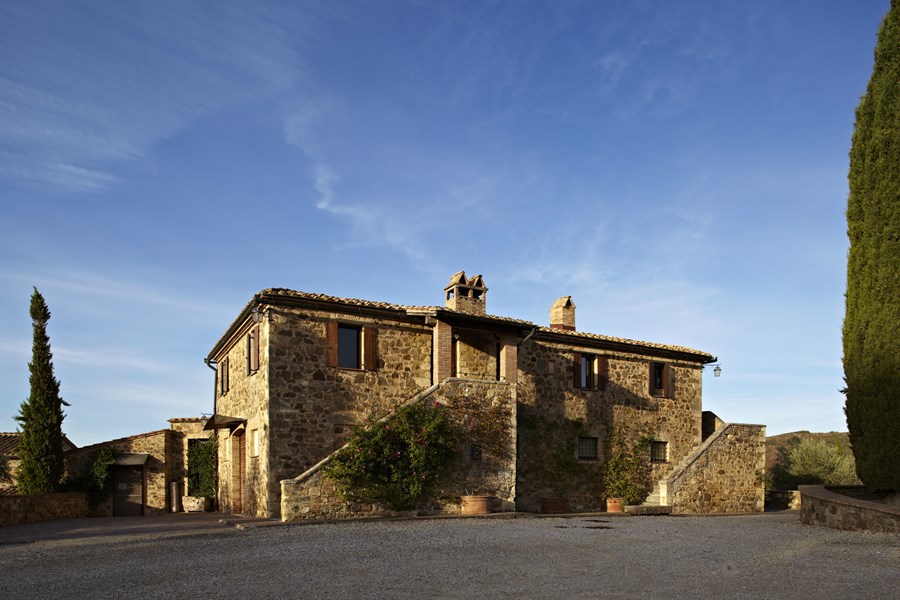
[350, 346]
[587, 448]
[590, 371]
[662, 380]
[253, 351]
[586, 371]
[659, 452]
[224, 384]
[475, 453]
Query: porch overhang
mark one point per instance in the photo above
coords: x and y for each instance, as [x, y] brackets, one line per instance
[222, 422]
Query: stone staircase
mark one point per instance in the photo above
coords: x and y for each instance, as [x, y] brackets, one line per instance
[659, 502]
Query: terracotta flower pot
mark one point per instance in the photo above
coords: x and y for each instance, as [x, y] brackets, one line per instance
[476, 505]
[553, 505]
[614, 505]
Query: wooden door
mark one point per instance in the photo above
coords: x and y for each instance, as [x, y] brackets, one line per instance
[238, 470]
[128, 491]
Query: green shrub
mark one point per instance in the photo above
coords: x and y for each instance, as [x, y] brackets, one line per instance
[401, 462]
[97, 480]
[627, 473]
[820, 462]
[202, 468]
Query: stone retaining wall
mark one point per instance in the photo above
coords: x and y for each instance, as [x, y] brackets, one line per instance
[16, 510]
[823, 507]
[726, 477]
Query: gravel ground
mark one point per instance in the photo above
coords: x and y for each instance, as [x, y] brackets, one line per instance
[756, 556]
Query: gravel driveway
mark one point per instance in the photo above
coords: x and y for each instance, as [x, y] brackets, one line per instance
[757, 556]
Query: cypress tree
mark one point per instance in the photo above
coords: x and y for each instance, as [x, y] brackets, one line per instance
[871, 334]
[41, 416]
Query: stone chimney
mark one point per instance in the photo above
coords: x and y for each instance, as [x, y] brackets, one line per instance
[562, 314]
[466, 295]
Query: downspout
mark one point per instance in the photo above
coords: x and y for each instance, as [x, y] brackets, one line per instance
[212, 365]
[527, 337]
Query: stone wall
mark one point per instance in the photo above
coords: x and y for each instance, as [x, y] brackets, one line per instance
[184, 430]
[553, 414]
[725, 476]
[493, 473]
[313, 406]
[244, 485]
[825, 508]
[16, 510]
[158, 444]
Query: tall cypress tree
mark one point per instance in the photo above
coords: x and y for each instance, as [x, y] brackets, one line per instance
[872, 321]
[41, 416]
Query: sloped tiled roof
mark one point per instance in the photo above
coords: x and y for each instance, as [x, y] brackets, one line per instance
[9, 441]
[273, 293]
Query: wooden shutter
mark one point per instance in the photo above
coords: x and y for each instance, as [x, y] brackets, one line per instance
[253, 350]
[576, 370]
[223, 376]
[602, 372]
[331, 343]
[370, 348]
[669, 381]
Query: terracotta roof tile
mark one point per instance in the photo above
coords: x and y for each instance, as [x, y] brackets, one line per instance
[288, 293]
[9, 441]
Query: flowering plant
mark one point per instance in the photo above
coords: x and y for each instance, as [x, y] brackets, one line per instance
[401, 461]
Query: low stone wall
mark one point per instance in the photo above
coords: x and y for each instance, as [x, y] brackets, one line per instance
[16, 510]
[823, 507]
[725, 476]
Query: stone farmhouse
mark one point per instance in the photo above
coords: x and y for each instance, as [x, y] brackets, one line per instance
[296, 372]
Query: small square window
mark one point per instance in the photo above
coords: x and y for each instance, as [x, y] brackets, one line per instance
[659, 452]
[475, 453]
[349, 347]
[587, 448]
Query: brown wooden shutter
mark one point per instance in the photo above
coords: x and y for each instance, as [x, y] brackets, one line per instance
[370, 348]
[576, 369]
[602, 372]
[670, 381]
[223, 387]
[253, 350]
[331, 344]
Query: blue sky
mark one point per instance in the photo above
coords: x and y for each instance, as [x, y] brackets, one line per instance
[679, 168]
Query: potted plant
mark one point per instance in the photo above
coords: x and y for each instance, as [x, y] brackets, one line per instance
[475, 504]
[626, 475]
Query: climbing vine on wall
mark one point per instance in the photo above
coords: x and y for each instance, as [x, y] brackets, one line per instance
[402, 461]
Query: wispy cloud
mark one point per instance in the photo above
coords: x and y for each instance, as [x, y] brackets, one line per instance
[73, 106]
[104, 288]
